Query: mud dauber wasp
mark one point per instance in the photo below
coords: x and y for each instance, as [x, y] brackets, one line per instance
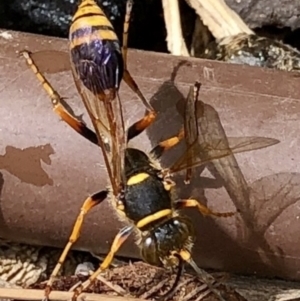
[141, 192]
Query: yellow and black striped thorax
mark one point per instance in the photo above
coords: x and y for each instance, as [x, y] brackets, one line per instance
[144, 193]
[95, 49]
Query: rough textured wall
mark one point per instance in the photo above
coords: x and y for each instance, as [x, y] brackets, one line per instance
[257, 13]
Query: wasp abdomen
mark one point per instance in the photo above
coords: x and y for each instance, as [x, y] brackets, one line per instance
[98, 66]
[95, 49]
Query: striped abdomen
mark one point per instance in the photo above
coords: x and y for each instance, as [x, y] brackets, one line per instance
[95, 50]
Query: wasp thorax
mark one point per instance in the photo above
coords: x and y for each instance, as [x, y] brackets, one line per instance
[137, 161]
[160, 244]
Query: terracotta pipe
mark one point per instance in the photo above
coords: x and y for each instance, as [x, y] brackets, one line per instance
[47, 170]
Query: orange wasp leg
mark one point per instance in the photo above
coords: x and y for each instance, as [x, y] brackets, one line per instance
[88, 204]
[139, 126]
[187, 203]
[129, 5]
[165, 145]
[56, 101]
[120, 238]
[126, 74]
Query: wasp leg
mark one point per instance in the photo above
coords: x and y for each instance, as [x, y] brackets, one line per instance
[126, 74]
[129, 5]
[165, 145]
[135, 88]
[139, 126]
[88, 204]
[202, 208]
[120, 238]
[57, 104]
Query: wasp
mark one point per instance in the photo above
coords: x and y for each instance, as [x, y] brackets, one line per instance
[141, 192]
[95, 52]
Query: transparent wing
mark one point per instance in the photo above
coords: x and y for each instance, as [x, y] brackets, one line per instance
[107, 118]
[202, 153]
[191, 127]
[105, 112]
[205, 137]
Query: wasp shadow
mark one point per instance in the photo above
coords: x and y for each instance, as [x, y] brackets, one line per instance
[26, 164]
[254, 218]
[270, 197]
[167, 101]
[167, 124]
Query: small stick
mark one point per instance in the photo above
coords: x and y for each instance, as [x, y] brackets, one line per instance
[33, 294]
[288, 295]
[195, 291]
[175, 40]
[118, 289]
[154, 289]
[221, 20]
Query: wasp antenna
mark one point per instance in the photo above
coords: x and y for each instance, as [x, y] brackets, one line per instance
[204, 275]
[172, 290]
[205, 278]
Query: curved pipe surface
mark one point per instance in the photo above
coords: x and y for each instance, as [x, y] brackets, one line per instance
[47, 170]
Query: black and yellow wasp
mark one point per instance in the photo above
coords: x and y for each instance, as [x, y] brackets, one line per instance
[140, 190]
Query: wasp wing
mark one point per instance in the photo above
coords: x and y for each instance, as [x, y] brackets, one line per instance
[105, 112]
[191, 131]
[205, 137]
[199, 154]
[107, 118]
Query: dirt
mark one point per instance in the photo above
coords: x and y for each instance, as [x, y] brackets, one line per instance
[147, 282]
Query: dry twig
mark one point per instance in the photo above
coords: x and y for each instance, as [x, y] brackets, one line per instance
[175, 40]
[289, 295]
[117, 288]
[220, 19]
[196, 291]
[31, 294]
[154, 289]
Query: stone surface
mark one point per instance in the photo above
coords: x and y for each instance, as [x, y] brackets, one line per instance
[278, 13]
